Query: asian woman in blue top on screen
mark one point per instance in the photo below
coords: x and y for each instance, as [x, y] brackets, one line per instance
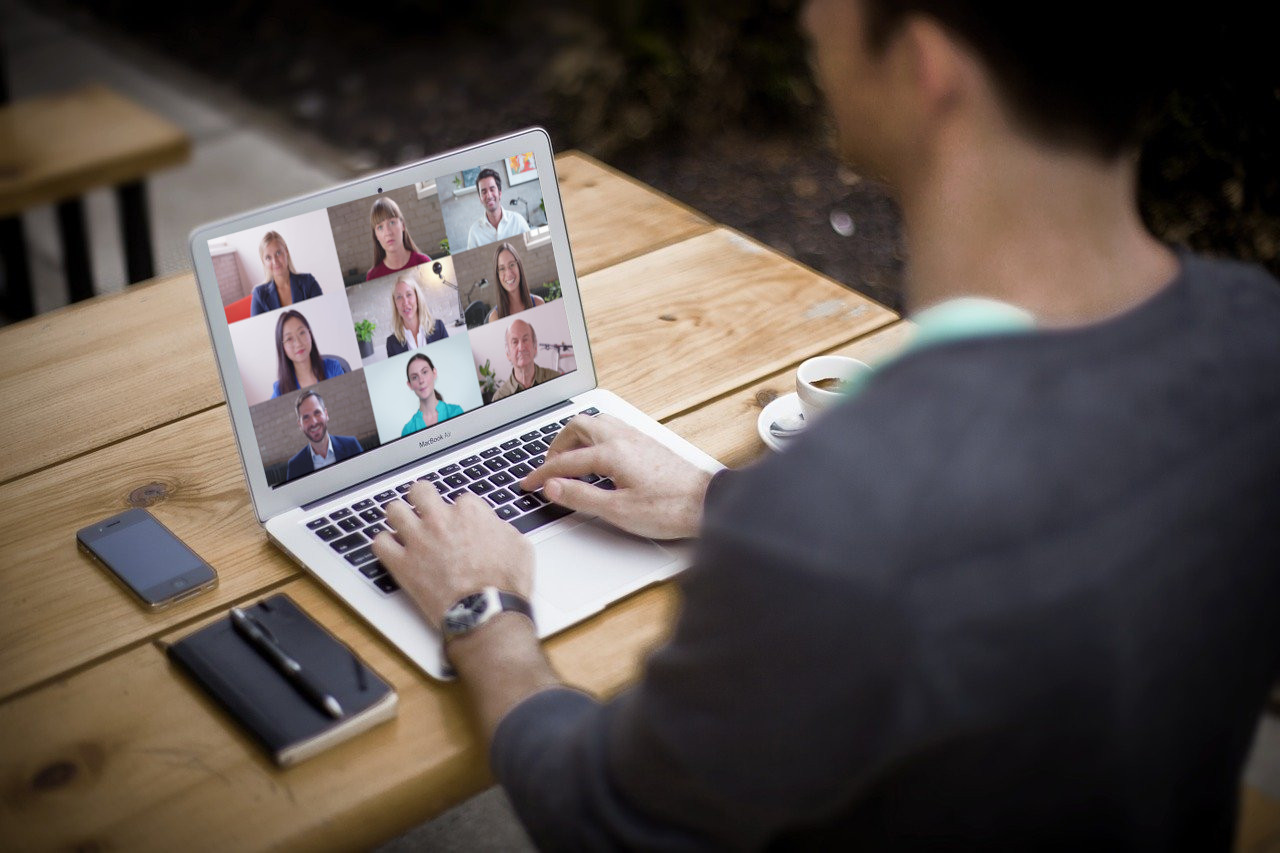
[298, 359]
[432, 409]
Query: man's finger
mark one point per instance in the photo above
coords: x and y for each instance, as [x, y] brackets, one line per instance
[404, 522]
[571, 463]
[426, 500]
[571, 437]
[387, 549]
[577, 495]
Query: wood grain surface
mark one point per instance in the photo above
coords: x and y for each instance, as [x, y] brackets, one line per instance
[726, 427]
[189, 468]
[683, 324]
[612, 217]
[134, 724]
[93, 373]
[102, 370]
[106, 746]
[61, 610]
[59, 146]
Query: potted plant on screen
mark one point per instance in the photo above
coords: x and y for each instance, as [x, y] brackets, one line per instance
[364, 335]
[488, 382]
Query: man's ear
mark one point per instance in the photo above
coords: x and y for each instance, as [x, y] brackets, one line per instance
[938, 64]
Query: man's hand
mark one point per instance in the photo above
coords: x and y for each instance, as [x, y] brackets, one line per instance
[441, 553]
[658, 493]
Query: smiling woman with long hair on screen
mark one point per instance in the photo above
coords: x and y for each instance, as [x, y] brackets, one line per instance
[298, 359]
[513, 288]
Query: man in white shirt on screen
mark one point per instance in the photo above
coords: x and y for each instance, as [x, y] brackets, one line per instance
[496, 224]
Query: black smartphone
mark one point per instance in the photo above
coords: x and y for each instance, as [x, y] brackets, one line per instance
[144, 556]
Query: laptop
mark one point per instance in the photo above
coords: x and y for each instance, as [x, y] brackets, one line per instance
[433, 332]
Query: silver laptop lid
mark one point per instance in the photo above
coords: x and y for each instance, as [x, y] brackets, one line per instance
[342, 367]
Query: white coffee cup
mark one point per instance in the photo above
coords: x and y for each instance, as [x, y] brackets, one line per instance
[825, 380]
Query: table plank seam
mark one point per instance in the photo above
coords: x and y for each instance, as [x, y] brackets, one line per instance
[640, 253]
[833, 350]
[662, 416]
[151, 638]
[634, 181]
[99, 447]
[797, 262]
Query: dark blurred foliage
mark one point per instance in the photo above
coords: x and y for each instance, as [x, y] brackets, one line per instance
[632, 71]
[1210, 176]
[710, 101]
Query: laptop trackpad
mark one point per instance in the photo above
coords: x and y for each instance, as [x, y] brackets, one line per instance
[592, 564]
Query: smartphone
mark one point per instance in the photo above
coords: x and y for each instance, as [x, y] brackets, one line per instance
[144, 556]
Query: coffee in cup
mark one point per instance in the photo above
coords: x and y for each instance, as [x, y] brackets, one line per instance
[825, 380]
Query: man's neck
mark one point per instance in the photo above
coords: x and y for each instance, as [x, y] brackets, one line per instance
[322, 449]
[494, 217]
[1057, 234]
[525, 376]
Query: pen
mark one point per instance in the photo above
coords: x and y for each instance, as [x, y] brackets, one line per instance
[255, 636]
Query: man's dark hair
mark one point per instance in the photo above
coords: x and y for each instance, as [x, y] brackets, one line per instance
[297, 407]
[488, 173]
[1075, 78]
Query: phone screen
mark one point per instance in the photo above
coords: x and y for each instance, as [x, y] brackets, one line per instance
[147, 557]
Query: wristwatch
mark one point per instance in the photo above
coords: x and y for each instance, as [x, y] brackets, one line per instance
[474, 610]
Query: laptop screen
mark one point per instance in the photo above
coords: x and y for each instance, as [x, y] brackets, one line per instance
[363, 323]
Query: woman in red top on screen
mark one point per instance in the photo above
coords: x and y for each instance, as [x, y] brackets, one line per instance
[298, 359]
[513, 289]
[393, 248]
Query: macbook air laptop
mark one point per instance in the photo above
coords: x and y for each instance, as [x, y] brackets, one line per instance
[423, 324]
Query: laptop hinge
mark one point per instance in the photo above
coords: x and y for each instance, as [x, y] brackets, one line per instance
[417, 463]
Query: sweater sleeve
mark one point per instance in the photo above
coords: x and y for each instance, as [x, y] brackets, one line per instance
[772, 705]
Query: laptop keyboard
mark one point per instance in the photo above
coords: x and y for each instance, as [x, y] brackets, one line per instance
[493, 474]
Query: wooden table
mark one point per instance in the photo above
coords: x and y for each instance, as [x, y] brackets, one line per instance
[56, 148]
[116, 403]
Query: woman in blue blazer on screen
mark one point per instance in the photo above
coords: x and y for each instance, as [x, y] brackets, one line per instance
[298, 359]
[284, 285]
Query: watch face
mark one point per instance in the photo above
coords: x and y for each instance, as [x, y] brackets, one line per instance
[464, 615]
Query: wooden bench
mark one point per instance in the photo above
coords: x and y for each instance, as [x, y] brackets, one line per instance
[56, 148]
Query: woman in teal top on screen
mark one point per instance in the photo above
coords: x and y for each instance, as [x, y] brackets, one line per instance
[432, 409]
[298, 359]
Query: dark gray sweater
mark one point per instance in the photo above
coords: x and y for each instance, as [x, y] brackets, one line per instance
[1023, 592]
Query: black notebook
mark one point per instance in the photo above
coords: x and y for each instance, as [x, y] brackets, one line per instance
[264, 702]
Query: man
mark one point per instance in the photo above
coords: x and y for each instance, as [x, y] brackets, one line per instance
[522, 348]
[496, 224]
[322, 448]
[1020, 593]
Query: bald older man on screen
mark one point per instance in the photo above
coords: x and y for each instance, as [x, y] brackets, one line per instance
[522, 347]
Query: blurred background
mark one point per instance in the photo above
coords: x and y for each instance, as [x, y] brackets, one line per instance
[710, 102]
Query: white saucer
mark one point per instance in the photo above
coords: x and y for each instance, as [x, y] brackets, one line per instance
[786, 406]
